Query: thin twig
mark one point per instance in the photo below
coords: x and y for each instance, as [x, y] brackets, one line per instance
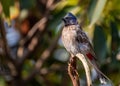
[32, 35]
[40, 25]
[5, 45]
[87, 70]
[72, 71]
[45, 55]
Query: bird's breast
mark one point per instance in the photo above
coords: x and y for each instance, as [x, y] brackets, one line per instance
[68, 38]
[68, 34]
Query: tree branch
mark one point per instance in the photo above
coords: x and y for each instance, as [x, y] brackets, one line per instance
[39, 26]
[45, 55]
[72, 71]
[87, 70]
[5, 46]
[22, 53]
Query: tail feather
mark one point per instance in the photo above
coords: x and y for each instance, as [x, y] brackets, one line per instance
[104, 80]
[102, 77]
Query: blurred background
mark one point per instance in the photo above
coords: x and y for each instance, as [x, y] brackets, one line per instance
[31, 50]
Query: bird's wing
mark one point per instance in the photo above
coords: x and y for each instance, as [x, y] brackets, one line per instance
[82, 39]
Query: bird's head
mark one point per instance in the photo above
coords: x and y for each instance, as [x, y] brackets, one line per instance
[70, 19]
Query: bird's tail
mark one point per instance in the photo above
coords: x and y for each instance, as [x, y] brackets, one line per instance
[104, 80]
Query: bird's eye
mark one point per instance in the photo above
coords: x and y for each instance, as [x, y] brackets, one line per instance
[67, 18]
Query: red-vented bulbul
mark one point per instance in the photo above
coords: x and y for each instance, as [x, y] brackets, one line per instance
[76, 41]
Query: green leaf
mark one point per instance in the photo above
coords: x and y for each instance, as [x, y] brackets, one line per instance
[99, 42]
[91, 8]
[27, 4]
[115, 36]
[6, 6]
[97, 11]
[64, 3]
[72, 2]
[56, 20]
[2, 81]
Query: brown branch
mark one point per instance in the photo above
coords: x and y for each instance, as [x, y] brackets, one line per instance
[5, 45]
[22, 54]
[72, 71]
[49, 4]
[39, 26]
[45, 55]
[15, 71]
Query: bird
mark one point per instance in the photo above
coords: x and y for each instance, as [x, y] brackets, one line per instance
[76, 41]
